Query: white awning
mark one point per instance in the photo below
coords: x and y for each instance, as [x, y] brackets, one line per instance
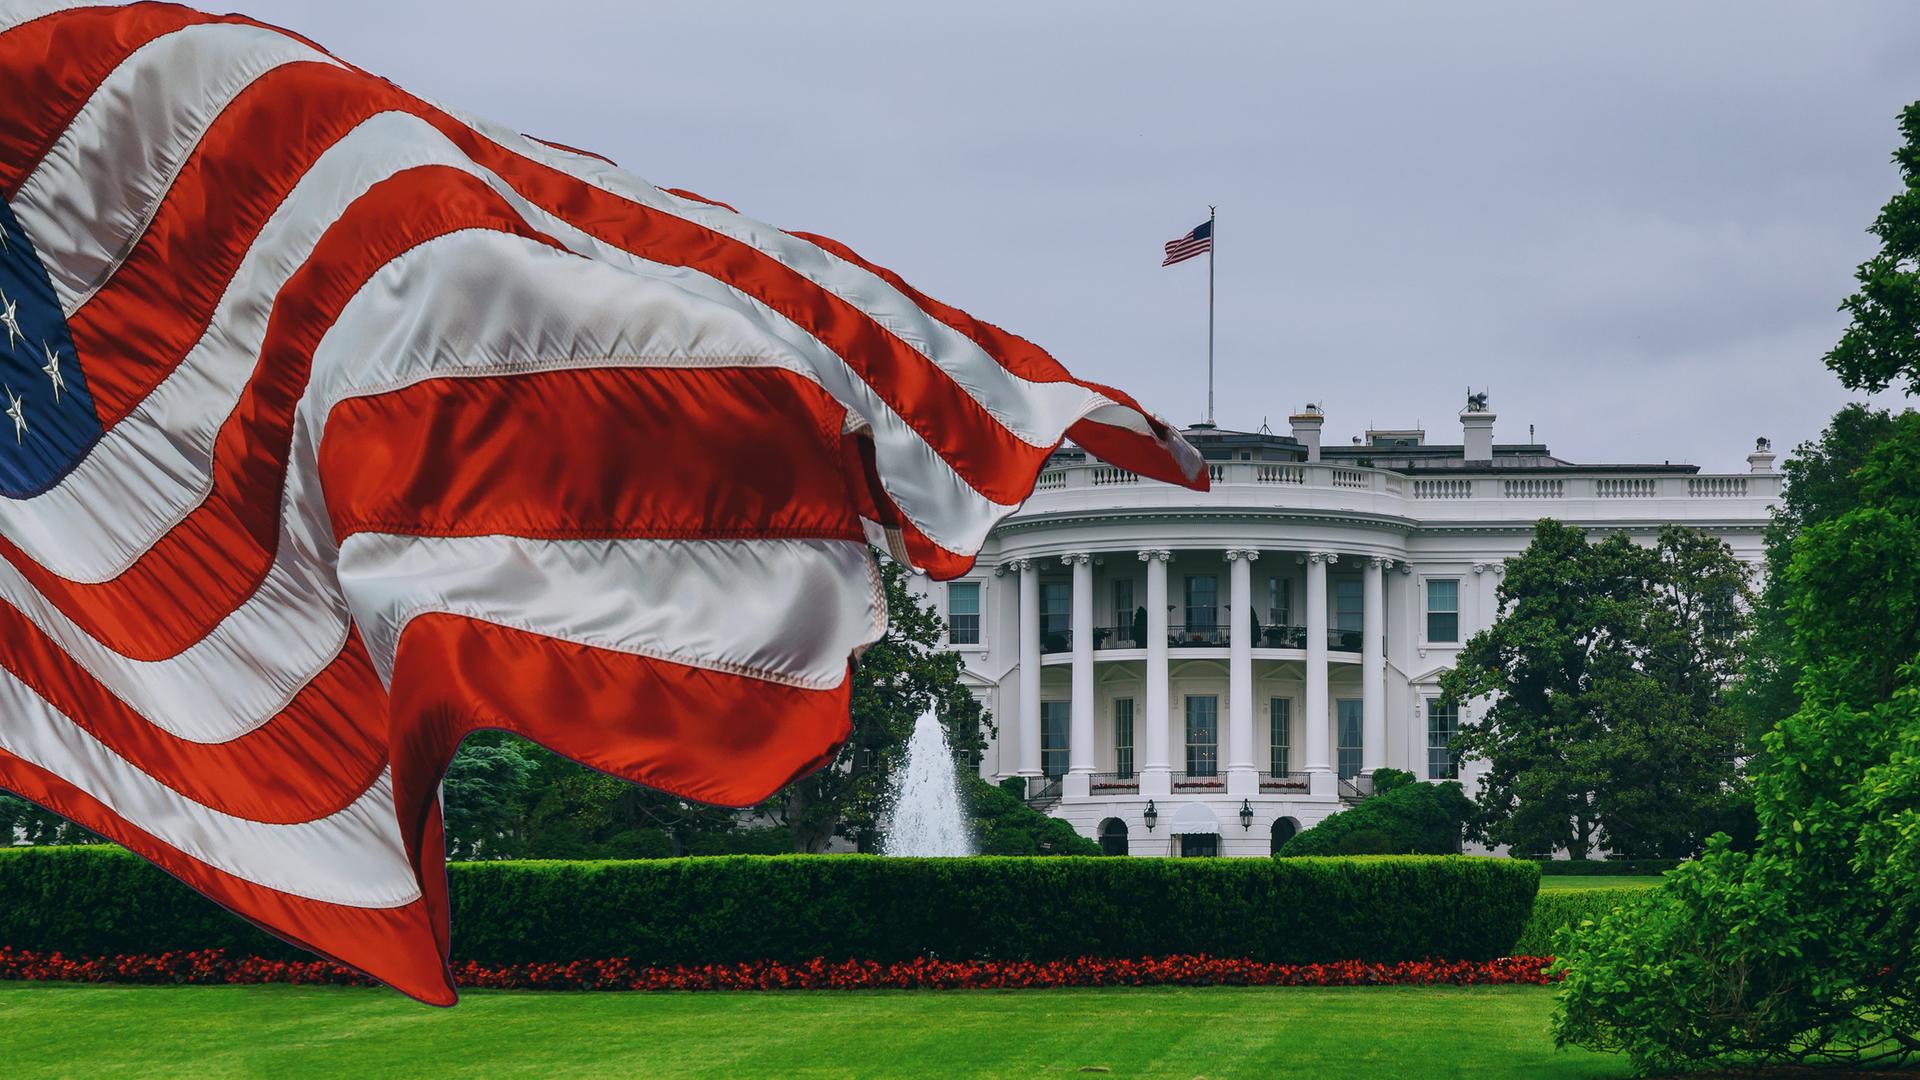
[1194, 819]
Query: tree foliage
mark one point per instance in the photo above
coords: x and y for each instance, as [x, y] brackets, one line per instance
[1881, 346]
[1005, 825]
[1803, 949]
[1407, 818]
[1606, 676]
[1822, 483]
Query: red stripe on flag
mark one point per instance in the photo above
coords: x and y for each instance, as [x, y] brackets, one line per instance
[400, 946]
[1133, 451]
[202, 569]
[704, 735]
[312, 758]
[50, 66]
[141, 324]
[668, 453]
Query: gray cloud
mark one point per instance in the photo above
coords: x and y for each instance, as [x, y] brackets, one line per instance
[1632, 221]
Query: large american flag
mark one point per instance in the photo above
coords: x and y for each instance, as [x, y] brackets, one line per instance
[339, 424]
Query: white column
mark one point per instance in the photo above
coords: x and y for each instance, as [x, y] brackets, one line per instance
[1242, 777]
[1080, 733]
[1316, 723]
[1029, 719]
[1373, 668]
[1155, 778]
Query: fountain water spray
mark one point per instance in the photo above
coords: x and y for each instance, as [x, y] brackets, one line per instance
[926, 817]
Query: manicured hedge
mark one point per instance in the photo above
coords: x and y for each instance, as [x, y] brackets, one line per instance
[1555, 908]
[792, 909]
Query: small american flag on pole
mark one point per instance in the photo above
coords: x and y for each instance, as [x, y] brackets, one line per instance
[1193, 244]
[338, 425]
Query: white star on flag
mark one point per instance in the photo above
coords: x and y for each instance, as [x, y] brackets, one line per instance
[9, 314]
[52, 369]
[17, 413]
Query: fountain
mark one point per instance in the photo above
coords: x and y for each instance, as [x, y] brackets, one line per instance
[926, 817]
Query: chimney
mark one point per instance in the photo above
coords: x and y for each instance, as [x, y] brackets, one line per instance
[1761, 460]
[1306, 429]
[1476, 428]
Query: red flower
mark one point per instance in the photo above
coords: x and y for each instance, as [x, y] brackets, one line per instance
[212, 966]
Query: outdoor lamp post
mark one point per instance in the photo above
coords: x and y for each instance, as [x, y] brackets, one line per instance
[1246, 815]
[1151, 815]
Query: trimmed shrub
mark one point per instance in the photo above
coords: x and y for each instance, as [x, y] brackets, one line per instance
[1385, 780]
[1365, 842]
[791, 909]
[1413, 819]
[1005, 825]
[1554, 909]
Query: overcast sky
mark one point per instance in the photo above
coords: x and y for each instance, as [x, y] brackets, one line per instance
[1632, 222]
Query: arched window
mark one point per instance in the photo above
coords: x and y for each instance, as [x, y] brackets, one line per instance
[1283, 830]
[1113, 837]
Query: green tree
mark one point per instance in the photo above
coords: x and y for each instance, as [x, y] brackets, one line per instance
[895, 680]
[483, 796]
[1405, 817]
[1803, 949]
[1005, 825]
[24, 822]
[1606, 675]
[1821, 484]
[1881, 345]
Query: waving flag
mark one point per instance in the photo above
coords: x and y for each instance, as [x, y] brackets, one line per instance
[339, 425]
[1190, 245]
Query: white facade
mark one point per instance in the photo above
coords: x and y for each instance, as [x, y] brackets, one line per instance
[1116, 642]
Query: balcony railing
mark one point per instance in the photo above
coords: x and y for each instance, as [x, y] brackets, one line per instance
[1440, 497]
[1106, 783]
[1286, 781]
[1202, 636]
[1200, 781]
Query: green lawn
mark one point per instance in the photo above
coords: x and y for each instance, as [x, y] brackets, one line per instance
[97, 1032]
[1597, 881]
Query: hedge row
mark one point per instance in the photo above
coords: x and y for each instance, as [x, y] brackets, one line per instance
[1555, 908]
[792, 909]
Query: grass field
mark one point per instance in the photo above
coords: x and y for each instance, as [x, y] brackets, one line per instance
[1597, 881]
[98, 1032]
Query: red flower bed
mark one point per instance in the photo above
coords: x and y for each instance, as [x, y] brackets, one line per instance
[213, 967]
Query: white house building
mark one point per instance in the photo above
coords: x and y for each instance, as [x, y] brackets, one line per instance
[1206, 673]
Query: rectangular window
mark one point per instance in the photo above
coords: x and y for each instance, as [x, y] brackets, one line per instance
[1203, 735]
[1203, 614]
[1055, 718]
[1056, 615]
[1349, 605]
[1123, 737]
[1348, 715]
[1443, 609]
[1442, 723]
[1122, 636]
[963, 612]
[1280, 735]
[1280, 601]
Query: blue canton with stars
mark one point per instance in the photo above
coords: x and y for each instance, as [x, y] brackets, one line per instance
[47, 422]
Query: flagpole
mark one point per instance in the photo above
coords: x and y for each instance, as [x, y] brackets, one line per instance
[1213, 241]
